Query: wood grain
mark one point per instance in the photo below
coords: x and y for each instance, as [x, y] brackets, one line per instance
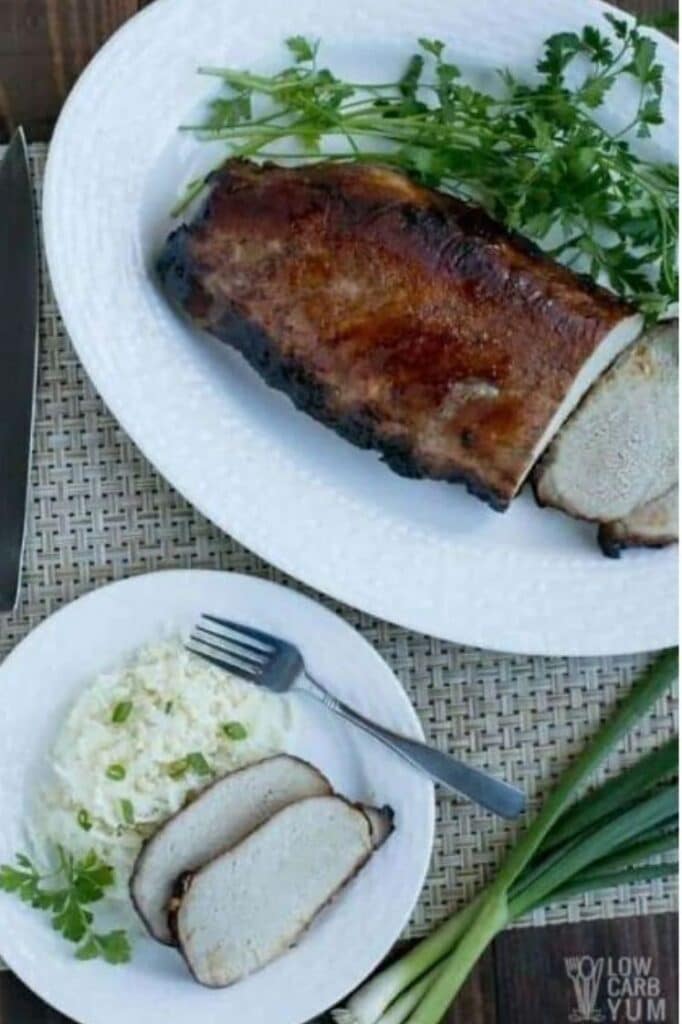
[532, 984]
[521, 980]
[44, 44]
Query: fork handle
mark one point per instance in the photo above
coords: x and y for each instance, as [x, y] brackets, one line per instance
[496, 796]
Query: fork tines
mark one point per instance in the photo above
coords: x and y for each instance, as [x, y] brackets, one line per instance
[236, 648]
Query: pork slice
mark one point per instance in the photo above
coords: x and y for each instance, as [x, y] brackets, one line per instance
[222, 815]
[381, 823]
[618, 451]
[404, 318]
[654, 525]
[250, 904]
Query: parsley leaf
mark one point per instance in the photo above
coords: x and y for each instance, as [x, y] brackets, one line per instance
[535, 153]
[303, 50]
[81, 882]
[113, 946]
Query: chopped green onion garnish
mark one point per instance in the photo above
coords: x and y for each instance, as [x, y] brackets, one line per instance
[169, 707]
[128, 812]
[121, 711]
[198, 763]
[116, 772]
[176, 769]
[84, 820]
[235, 730]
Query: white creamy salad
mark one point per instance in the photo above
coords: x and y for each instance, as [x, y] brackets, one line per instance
[142, 740]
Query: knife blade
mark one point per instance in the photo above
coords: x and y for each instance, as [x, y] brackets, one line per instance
[18, 358]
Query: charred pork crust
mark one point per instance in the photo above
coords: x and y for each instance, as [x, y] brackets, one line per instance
[613, 545]
[180, 276]
[406, 320]
[381, 822]
[653, 525]
[615, 461]
[180, 889]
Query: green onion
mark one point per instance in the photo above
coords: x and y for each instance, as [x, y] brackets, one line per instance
[198, 763]
[617, 792]
[194, 761]
[121, 711]
[84, 820]
[116, 772]
[369, 1003]
[176, 769]
[565, 851]
[127, 811]
[169, 707]
[402, 1007]
[234, 730]
[585, 852]
[633, 854]
[582, 884]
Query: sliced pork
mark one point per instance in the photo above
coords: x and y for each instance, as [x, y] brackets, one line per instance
[654, 525]
[405, 319]
[250, 904]
[619, 450]
[222, 815]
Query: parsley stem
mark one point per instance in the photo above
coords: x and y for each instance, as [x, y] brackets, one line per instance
[535, 154]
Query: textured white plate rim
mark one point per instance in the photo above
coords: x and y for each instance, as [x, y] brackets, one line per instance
[388, 567]
[297, 1007]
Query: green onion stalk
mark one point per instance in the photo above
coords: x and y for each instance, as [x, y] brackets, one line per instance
[605, 839]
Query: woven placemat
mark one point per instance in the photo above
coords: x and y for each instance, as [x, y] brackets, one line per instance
[99, 511]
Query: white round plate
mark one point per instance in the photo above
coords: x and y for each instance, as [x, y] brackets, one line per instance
[422, 554]
[41, 678]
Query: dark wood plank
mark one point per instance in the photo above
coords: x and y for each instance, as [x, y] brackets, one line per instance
[532, 983]
[44, 45]
[477, 1002]
[521, 980]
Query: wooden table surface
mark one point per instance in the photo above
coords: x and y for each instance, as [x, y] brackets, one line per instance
[43, 46]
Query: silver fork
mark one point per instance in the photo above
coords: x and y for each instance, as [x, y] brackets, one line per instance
[278, 666]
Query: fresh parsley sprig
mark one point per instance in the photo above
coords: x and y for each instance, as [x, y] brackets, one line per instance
[535, 154]
[71, 890]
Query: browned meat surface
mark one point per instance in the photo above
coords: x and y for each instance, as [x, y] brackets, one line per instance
[405, 319]
[654, 525]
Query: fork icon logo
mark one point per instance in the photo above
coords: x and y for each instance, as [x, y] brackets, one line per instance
[586, 973]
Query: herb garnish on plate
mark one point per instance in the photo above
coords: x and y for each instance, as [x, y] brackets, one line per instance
[67, 897]
[535, 154]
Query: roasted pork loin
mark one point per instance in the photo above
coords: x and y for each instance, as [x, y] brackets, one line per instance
[618, 451]
[654, 525]
[222, 815]
[251, 903]
[407, 320]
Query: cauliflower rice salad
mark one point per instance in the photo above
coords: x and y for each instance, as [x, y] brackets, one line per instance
[139, 743]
